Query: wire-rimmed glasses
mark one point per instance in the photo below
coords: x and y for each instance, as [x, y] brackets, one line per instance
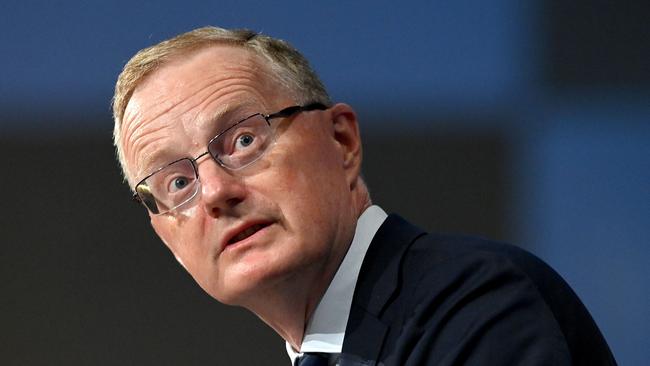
[234, 148]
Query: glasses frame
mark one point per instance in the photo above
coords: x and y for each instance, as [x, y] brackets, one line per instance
[284, 113]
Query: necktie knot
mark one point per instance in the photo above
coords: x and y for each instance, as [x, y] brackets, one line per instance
[313, 359]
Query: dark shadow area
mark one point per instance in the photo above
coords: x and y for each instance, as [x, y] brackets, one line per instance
[601, 44]
[443, 182]
[86, 282]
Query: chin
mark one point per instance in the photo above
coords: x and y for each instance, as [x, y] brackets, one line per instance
[240, 287]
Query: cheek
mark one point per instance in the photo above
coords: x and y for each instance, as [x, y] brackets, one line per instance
[309, 189]
[180, 236]
[309, 164]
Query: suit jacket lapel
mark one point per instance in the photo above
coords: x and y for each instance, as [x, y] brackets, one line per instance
[378, 280]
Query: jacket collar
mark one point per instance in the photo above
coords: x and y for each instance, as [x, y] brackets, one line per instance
[378, 281]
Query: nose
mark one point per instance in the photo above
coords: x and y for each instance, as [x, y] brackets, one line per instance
[221, 191]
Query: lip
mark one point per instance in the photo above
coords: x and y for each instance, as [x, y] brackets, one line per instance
[233, 232]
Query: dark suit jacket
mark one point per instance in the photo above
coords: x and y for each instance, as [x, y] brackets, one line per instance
[425, 299]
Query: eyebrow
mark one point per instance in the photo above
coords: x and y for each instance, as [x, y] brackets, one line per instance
[154, 161]
[229, 114]
[221, 119]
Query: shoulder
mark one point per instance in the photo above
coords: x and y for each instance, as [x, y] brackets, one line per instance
[470, 265]
[448, 259]
[460, 291]
[448, 255]
[445, 256]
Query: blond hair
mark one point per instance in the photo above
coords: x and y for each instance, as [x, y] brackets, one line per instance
[290, 68]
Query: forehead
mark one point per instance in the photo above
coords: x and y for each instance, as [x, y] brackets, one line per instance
[193, 74]
[179, 98]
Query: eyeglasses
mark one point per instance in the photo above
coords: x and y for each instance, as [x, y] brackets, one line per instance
[234, 148]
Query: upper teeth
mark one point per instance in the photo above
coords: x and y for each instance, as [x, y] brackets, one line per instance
[246, 233]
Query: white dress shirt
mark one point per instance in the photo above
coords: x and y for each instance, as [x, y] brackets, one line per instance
[326, 328]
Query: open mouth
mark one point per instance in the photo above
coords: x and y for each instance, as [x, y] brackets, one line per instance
[246, 233]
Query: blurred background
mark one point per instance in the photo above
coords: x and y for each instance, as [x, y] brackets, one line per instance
[523, 121]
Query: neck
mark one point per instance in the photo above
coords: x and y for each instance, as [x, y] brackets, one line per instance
[287, 307]
[287, 312]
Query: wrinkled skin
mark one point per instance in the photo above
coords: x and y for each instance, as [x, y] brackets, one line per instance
[306, 190]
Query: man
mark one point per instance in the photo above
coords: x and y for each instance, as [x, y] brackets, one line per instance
[252, 179]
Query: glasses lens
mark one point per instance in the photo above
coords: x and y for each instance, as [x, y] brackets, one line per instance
[169, 187]
[147, 198]
[243, 143]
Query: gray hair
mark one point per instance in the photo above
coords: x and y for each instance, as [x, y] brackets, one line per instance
[290, 68]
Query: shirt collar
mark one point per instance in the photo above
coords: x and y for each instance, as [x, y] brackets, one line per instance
[326, 328]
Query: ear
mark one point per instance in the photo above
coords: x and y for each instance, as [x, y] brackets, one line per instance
[346, 135]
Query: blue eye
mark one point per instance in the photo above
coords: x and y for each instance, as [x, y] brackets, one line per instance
[245, 140]
[178, 184]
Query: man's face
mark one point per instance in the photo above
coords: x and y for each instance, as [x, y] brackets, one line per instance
[281, 219]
